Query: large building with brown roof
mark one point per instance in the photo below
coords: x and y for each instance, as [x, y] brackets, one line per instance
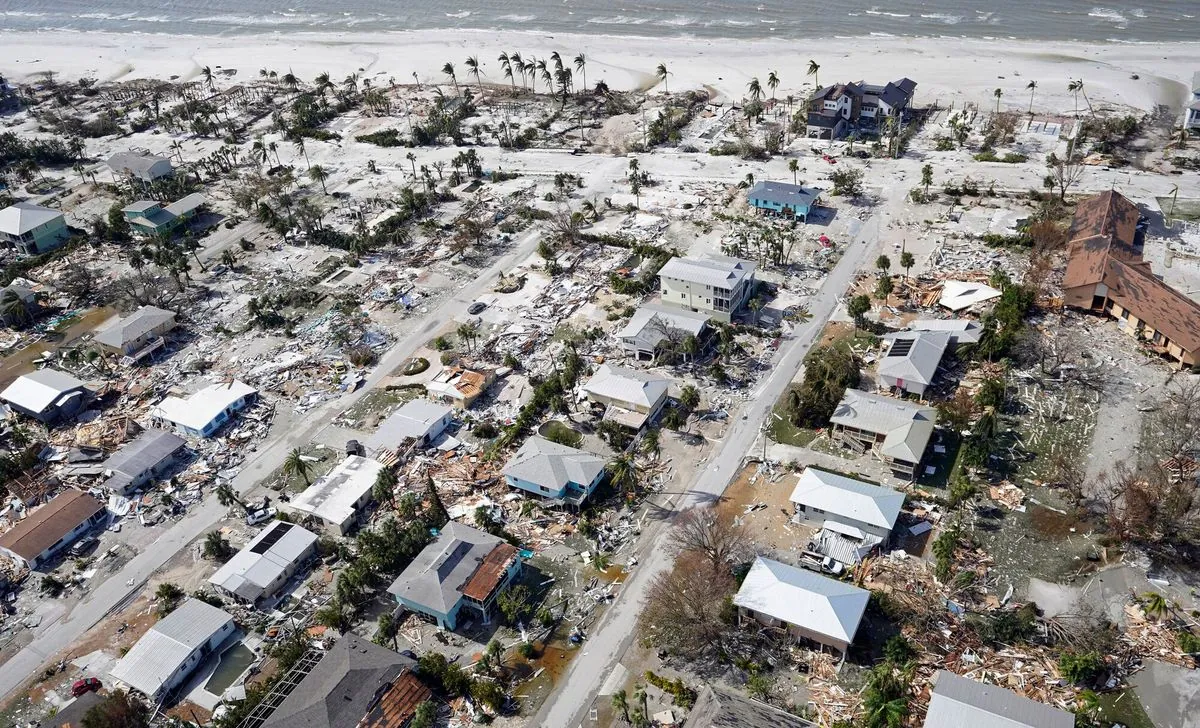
[36, 539]
[1105, 272]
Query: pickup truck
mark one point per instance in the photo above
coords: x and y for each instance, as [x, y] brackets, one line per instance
[814, 561]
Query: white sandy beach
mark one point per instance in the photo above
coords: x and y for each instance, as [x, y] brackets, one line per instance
[946, 69]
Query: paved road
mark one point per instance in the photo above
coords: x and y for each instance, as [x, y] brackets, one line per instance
[123, 585]
[577, 689]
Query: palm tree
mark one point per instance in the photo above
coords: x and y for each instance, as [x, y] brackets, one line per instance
[473, 67]
[1075, 87]
[227, 497]
[772, 83]
[384, 490]
[506, 66]
[755, 89]
[412, 158]
[207, 73]
[295, 464]
[621, 704]
[581, 66]
[906, 262]
[322, 83]
[661, 73]
[927, 176]
[317, 173]
[448, 69]
[639, 696]
[299, 145]
[1032, 86]
[794, 168]
[273, 148]
[387, 631]
[624, 473]
[1155, 605]
[289, 79]
[813, 68]
[530, 68]
[997, 93]
[1079, 87]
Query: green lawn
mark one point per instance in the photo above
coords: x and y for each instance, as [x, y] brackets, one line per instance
[786, 432]
[1124, 707]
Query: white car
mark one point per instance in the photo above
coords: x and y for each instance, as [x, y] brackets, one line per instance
[260, 516]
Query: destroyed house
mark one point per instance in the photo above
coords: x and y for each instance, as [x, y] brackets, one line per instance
[897, 432]
[802, 603]
[173, 648]
[719, 708]
[138, 334]
[460, 386]
[140, 166]
[1106, 273]
[911, 360]
[266, 564]
[356, 684]
[957, 702]
[47, 395]
[339, 498]
[554, 471]
[717, 286]
[460, 574]
[821, 496]
[419, 421]
[35, 540]
[783, 199]
[630, 397]
[137, 462]
[203, 413]
[654, 328]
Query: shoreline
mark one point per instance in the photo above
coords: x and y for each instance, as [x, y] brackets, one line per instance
[951, 70]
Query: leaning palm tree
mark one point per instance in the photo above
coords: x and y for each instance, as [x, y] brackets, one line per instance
[473, 66]
[1075, 87]
[813, 68]
[448, 69]
[755, 89]
[623, 473]
[317, 173]
[772, 83]
[998, 93]
[581, 66]
[295, 464]
[227, 497]
[661, 73]
[794, 168]
[207, 73]
[506, 67]
[299, 145]
[1032, 86]
[531, 68]
[518, 65]
[620, 704]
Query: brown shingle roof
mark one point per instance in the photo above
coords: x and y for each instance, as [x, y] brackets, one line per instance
[1104, 227]
[490, 572]
[1135, 288]
[46, 525]
[398, 704]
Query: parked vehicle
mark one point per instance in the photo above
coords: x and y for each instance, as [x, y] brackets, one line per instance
[83, 546]
[260, 516]
[86, 685]
[814, 561]
[476, 307]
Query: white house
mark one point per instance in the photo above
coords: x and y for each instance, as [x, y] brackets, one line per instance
[631, 397]
[653, 325]
[32, 229]
[174, 647]
[203, 413]
[264, 566]
[958, 702]
[137, 334]
[419, 420]
[337, 499]
[911, 360]
[47, 395]
[821, 496]
[717, 286]
[1192, 118]
[897, 432]
[135, 463]
[805, 604]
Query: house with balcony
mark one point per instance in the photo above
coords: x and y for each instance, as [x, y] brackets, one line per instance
[458, 576]
[717, 286]
[895, 431]
[781, 199]
[836, 110]
[805, 605]
[32, 229]
[630, 397]
[654, 329]
[137, 335]
[154, 219]
[554, 472]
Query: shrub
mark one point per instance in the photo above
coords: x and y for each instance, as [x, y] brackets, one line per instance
[683, 696]
[382, 138]
[1079, 667]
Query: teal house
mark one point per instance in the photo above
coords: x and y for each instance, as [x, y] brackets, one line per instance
[554, 471]
[780, 198]
[32, 229]
[458, 577]
[153, 219]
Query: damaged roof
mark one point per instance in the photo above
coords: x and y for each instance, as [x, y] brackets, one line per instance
[1104, 227]
[39, 389]
[437, 576]
[48, 525]
[134, 326]
[957, 702]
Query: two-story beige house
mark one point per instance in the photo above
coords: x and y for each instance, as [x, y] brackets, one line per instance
[717, 286]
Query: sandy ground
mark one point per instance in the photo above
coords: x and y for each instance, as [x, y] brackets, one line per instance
[949, 70]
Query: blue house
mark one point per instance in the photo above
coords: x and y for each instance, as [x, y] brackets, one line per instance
[463, 569]
[554, 471]
[780, 198]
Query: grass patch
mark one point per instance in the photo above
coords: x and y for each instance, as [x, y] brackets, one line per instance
[1124, 707]
[377, 404]
[786, 432]
[326, 460]
[556, 431]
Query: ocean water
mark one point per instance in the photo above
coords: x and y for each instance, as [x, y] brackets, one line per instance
[1083, 20]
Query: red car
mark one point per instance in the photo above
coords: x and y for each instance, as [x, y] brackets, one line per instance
[86, 685]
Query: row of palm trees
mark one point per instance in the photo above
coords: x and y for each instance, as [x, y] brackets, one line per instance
[1074, 87]
[554, 72]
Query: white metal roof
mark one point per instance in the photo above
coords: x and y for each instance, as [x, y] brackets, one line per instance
[21, 217]
[136, 324]
[652, 319]
[906, 427]
[627, 385]
[718, 271]
[270, 554]
[38, 390]
[914, 356]
[547, 463]
[415, 419]
[199, 409]
[962, 331]
[957, 701]
[803, 598]
[165, 647]
[957, 295]
[854, 499]
[333, 497]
